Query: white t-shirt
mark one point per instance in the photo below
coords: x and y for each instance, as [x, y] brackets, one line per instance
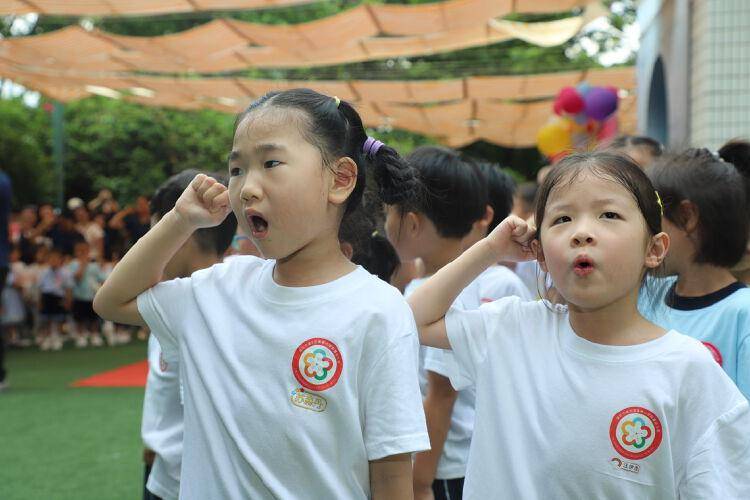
[161, 428]
[558, 416]
[289, 391]
[494, 283]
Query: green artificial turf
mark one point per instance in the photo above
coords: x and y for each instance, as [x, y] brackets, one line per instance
[58, 442]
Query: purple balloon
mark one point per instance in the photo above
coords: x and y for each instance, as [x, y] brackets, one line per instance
[600, 103]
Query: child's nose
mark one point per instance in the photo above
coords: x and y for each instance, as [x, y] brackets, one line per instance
[251, 189]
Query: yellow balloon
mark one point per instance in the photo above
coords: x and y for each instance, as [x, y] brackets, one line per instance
[554, 137]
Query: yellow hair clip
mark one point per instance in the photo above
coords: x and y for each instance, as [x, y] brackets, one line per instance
[661, 205]
[374, 233]
[338, 101]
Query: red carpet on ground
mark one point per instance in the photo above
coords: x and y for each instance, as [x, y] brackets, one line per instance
[133, 375]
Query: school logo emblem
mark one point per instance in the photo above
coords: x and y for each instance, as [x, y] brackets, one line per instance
[635, 432]
[715, 352]
[317, 364]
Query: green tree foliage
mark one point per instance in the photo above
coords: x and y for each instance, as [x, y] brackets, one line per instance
[131, 149]
[25, 151]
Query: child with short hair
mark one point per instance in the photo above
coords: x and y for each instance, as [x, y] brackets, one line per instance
[641, 149]
[163, 420]
[55, 285]
[87, 276]
[588, 400]
[299, 371]
[434, 227]
[707, 218]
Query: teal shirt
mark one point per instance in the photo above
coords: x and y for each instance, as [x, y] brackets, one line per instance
[85, 288]
[720, 320]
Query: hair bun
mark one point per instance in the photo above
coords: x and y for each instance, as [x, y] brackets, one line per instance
[737, 152]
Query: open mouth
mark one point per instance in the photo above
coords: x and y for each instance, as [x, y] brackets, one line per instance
[583, 266]
[258, 225]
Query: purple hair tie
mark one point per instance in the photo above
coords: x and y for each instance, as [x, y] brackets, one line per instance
[371, 147]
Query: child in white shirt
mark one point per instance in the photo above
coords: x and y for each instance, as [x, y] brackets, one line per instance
[589, 400]
[299, 371]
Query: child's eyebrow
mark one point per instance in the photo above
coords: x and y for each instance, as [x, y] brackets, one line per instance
[261, 148]
[234, 155]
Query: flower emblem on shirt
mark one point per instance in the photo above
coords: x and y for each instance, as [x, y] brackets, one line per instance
[635, 432]
[317, 364]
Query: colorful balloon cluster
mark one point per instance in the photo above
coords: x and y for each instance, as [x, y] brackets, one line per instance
[584, 115]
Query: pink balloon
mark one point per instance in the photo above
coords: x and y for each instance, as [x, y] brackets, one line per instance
[570, 100]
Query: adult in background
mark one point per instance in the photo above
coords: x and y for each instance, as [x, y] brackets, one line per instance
[135, 220]
[5, 194]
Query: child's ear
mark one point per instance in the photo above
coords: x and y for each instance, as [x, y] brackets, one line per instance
[690, 215]
[657, 250]
[412, 223]
[343, 180]
[536, 247]
[347, 249]
[483, 223]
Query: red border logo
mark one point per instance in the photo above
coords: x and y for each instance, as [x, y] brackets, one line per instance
[715, 352]
[635, 432]
[317, 364]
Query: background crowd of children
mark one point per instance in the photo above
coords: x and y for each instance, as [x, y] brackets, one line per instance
[58, 260]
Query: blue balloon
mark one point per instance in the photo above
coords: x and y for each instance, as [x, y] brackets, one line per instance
[583, 88]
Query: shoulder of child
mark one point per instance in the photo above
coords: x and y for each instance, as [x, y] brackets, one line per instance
[235, 268]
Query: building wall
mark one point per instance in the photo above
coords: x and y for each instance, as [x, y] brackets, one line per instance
[705, 49]
[720, 71]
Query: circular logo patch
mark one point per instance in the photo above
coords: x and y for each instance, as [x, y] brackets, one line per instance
[714, 352]
[317, 364]
[635, 432]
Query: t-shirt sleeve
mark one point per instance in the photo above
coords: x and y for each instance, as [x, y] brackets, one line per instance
[161, 307]
[719, 466]
[468, 334]
[743, 367]
[468, 340]
[394, 416]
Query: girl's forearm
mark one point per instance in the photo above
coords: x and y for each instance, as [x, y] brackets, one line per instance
[432, 299]
[142, 267]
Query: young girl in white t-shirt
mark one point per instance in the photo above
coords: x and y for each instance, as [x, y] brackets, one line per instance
[299, 372]
[589, 400]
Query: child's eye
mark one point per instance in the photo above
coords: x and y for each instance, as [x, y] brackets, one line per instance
[271, 164]
[561, 219]
[611, 215]
[234, 171]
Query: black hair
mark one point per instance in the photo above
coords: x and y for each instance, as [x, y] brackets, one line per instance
[371, 249]
[453, 191]
[500, 190]
[527, 192]
[215, 239]
[737, 152]
[335, 128]
[654, 147]
[718, 191]
[618, 168]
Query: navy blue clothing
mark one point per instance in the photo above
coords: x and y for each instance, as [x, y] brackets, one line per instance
[5, 194]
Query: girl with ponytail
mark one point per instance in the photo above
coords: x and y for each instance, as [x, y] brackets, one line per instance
[299, 371]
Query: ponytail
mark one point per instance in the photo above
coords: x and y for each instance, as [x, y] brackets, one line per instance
[737, 152]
